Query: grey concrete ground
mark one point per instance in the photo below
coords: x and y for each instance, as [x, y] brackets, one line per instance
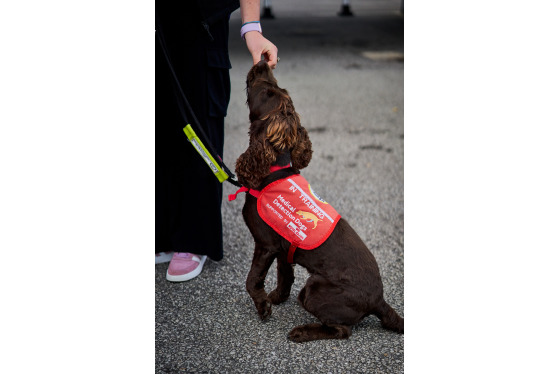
[350, 98]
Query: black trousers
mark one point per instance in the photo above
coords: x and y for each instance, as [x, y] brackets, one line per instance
[188, 195]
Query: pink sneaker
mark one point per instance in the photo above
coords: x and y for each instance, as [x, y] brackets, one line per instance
[184, 266]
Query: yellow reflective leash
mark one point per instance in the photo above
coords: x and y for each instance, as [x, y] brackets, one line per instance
[206, 156]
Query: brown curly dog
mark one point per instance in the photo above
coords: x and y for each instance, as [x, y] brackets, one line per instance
[344, 284]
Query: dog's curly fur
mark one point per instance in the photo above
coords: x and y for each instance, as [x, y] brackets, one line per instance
[344, 284]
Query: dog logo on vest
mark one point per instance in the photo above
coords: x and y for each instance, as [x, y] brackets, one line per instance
[309, 217]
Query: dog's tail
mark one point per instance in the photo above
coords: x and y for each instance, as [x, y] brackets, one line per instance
[389, 318]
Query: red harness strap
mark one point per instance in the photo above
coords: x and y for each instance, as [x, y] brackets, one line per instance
[255, 193]
[291, 252]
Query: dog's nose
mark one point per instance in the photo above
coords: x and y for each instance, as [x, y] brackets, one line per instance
[261, 67]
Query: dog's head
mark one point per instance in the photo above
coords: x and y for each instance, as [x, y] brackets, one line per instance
[275, 128]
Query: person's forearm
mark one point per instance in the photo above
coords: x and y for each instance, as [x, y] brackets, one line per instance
[250, 10]
[251, 31]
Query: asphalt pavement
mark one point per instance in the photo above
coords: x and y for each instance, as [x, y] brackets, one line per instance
[345, 77]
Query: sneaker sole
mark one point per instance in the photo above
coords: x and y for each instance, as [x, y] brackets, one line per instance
[162, 257]
[188, 276]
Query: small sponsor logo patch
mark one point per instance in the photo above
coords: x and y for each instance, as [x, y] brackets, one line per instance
[297, 231]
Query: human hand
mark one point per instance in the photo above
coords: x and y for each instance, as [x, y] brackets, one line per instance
[259, 46]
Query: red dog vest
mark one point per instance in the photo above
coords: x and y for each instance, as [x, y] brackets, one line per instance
[294, 211]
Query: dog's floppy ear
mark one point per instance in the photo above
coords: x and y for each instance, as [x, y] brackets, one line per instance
[254, 164]
[301, 153]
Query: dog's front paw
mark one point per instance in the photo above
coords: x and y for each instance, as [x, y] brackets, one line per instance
[264, 309]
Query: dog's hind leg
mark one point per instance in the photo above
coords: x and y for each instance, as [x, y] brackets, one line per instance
[329, 303]
[389, 318]
[316, 331]
[285, 281]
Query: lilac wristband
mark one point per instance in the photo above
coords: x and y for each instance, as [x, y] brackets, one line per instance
[250, 26]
